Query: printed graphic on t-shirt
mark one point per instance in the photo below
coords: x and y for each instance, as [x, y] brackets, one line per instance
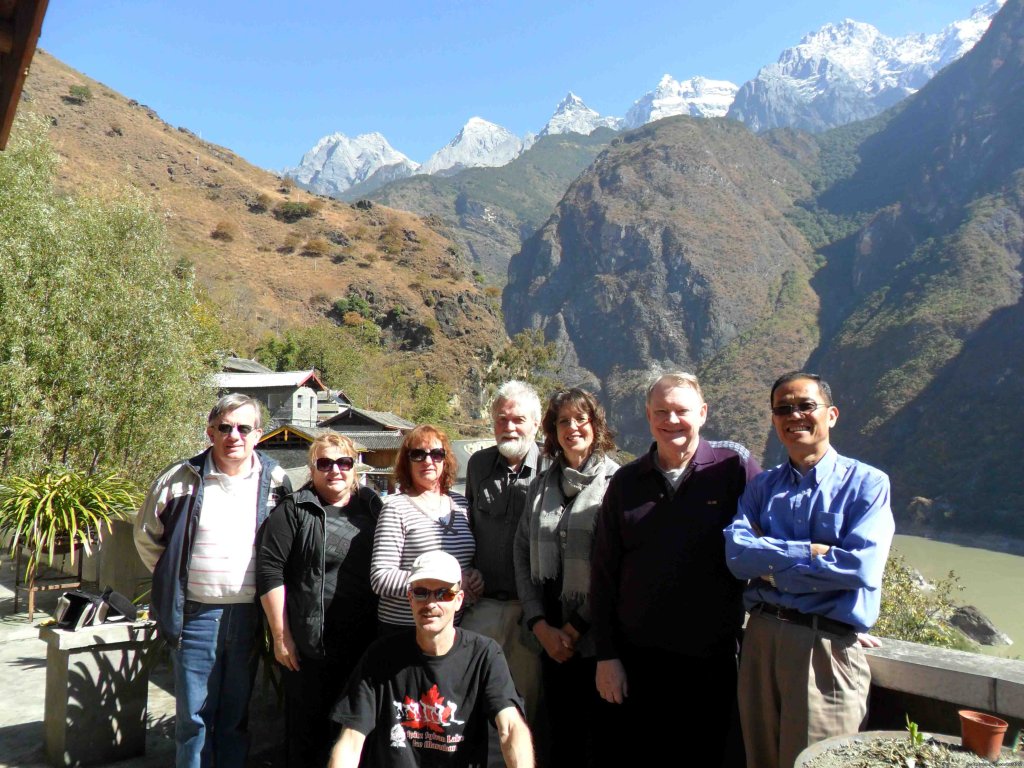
[428, 722]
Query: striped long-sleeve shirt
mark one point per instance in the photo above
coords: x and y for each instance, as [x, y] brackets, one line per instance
[404, 533]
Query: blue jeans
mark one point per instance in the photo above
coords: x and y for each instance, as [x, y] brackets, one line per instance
[214, 669]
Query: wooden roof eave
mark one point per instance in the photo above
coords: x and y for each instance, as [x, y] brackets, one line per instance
[21, 21]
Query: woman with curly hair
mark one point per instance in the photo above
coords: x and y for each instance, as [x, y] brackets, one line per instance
[552, 560]
[426, 516]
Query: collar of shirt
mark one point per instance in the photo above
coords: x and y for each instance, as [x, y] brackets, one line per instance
[704, 454]
[825, 467]
[529, 462]
[211, 472]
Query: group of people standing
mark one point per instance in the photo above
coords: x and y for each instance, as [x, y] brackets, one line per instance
[601, 605]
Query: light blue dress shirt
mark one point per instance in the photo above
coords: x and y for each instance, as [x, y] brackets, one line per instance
[839, 502]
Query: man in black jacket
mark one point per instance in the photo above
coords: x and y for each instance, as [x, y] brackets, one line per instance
[666, 611]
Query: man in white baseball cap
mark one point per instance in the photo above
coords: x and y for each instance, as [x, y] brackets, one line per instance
[425, 699]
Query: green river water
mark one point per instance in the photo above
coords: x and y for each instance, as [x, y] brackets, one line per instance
[993, 582]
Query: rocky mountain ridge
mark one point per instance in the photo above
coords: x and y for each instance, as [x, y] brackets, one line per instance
[843, 72]
[886, 255]
[850, 71]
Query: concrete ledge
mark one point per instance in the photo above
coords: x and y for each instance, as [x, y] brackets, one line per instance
[965, 679]
[101, 634]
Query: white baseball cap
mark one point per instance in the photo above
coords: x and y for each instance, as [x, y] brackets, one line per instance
[436, 565]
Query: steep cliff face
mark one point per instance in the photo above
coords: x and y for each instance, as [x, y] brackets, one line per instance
[671, 252]
[675, 250]
[927, 351]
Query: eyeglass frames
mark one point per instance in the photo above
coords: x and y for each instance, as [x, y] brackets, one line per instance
[421, 454]
[443, 595]
[344, 463]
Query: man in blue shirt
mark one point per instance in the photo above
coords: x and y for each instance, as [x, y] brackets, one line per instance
[812, 535]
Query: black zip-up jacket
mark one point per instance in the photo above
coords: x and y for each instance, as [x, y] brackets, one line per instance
[291, 551]
[165, 530]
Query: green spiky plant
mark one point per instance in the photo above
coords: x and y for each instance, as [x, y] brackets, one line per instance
[60, 510]
[916, 737]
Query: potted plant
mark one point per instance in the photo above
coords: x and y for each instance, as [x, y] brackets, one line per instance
[59, 511]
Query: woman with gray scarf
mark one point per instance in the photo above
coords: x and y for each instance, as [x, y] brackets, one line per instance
[552, 560]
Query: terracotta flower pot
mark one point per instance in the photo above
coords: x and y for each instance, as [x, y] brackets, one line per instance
[982, 734]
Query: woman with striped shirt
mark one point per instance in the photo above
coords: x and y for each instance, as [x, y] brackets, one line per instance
[426, 516]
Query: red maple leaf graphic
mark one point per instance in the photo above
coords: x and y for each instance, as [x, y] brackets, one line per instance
[414, 714]
[435, 712]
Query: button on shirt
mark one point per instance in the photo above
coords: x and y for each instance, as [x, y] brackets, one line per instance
[840, 502]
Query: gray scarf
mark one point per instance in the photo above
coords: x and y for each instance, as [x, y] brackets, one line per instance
[580, 492]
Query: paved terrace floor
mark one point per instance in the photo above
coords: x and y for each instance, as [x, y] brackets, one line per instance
[23, 683]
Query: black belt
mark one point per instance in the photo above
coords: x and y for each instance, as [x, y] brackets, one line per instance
[811, 620]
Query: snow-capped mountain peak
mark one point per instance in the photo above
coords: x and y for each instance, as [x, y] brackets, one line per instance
[572, 115]
[337, 162]
[480, 143]
[850, 71]
[698, 96]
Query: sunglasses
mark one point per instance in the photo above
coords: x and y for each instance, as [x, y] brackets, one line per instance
[344, 463]
[227, 429]
[807, 406]
[421, 454]
[443, 595]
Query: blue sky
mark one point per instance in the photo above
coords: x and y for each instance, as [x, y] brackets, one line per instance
[267, 79]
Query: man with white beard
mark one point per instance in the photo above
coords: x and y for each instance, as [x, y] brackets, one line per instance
[496, 482]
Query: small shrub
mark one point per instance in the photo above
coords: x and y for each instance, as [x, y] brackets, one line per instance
[260, 204]
[316, 247]
[492, 292]
[316, 205]
[291, 242]
[225, 230]
[352, 319]
[911, 613]
[292, 211]
[78, 94]
[356, 304]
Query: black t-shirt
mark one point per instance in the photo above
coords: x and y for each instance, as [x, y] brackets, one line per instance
[420, 710]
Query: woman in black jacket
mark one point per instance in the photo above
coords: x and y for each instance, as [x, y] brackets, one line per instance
[313, 577]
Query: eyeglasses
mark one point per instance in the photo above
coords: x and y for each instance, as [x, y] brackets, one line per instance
[582, 421]
[807, 406]
[243, 429]
[443, 595]
[421, 454]
[344, 463]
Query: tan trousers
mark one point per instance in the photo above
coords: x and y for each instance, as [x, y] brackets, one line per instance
[797, 686]
[499, 620]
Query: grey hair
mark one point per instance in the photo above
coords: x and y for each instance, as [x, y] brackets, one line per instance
[233, 402]
[678, 379]
[518, 392]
